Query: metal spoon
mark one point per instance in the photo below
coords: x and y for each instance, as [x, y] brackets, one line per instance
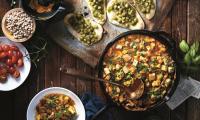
[135, 91]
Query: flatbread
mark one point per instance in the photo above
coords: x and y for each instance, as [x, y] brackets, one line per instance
[92, 9]
[140, 24]
[149, 15]
[98, 30]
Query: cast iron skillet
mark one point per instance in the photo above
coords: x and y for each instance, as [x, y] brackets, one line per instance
[161, 36]
[42, 16]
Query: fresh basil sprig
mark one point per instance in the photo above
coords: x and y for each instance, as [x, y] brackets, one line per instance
[192, 54]
[184, 46]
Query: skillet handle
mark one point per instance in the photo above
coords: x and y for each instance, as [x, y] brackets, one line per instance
[168, 38]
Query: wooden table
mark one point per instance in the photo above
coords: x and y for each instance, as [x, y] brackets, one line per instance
[183, 22]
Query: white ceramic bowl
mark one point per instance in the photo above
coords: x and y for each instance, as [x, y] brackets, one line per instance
[13, 83]
[31, 112]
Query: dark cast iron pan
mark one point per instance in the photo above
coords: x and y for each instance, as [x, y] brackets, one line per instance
[165, 39]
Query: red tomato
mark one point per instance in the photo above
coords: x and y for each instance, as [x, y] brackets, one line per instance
[14, 48]
[6, 47]
[3, 55]
[19, 54]
[20, 62]
[1, 49]
[9, 62]
[16, 73]
[10, 53]
[11, 70]
[14, 59]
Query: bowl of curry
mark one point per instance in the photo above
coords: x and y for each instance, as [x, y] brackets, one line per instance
[144, 55]
[56, 103]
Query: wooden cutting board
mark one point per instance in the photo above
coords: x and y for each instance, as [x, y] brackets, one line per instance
[91, 54]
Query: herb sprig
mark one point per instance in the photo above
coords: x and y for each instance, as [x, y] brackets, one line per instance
[191, 52]
[37, 48]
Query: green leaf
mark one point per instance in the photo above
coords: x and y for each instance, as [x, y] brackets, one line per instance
[195, 46]
[184, 46]
[196, 60]
[192, 52]
[58, 115]
[187, 59]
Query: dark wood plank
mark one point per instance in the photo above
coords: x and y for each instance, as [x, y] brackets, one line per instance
[6, 105]
[164, 112]
[36, 80]
[179, 31]
[6, 98]
[4, 7]
[52, 65]
[83, 86]
[193, 107]
[67, 81]
[20, 102]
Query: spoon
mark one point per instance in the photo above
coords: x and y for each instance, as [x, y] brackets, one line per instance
[135, 91]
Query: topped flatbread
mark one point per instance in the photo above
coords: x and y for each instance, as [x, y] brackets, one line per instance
[146, 8]
[98, 10]
[123, 14]
[84, 29]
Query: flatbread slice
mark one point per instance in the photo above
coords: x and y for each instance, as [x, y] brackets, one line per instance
[98, 10]
[84, 29]
[122, 14]
[147, 8]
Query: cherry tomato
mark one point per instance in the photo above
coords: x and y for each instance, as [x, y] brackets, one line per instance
[10, 53]
[6, 47]
[11, 70]
[20, 62]
[19, 54]
[14, 48]
[9, 62]
[16, 73]
[1, 49]
[3, 55]
[14, 59]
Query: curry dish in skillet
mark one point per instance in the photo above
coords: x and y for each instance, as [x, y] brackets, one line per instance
[139, 57]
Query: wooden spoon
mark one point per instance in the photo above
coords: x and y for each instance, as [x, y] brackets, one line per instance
[135, 91]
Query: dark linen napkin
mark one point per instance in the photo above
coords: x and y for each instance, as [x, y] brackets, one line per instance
[187, 87]
[93, 104]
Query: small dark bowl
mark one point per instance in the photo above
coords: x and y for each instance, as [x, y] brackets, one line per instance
[42, 16]
[165, 39]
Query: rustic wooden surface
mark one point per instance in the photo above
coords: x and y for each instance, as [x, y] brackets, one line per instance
[183, 22]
